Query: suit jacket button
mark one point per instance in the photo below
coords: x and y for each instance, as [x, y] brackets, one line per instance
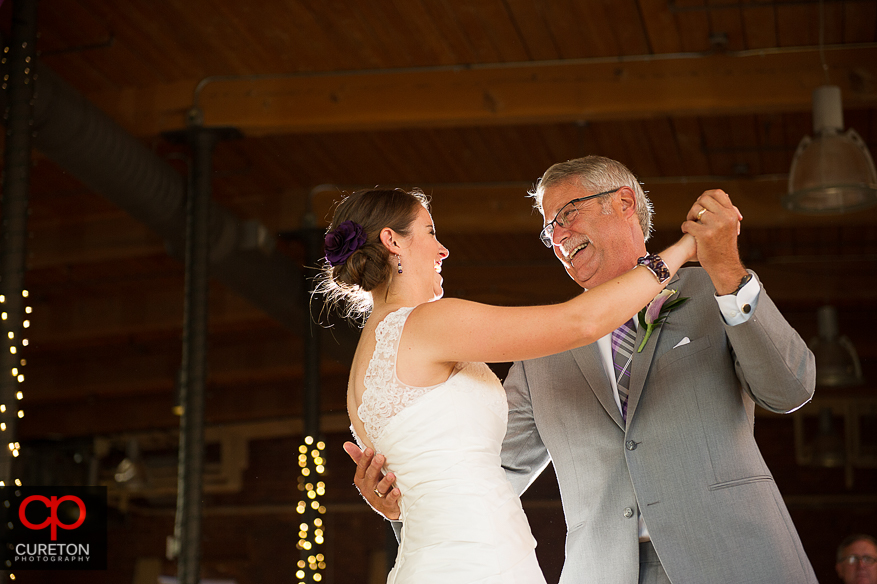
[628, 512]
[631, 445]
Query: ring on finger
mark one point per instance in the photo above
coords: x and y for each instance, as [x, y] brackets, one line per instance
[700, 214]
[378, 493]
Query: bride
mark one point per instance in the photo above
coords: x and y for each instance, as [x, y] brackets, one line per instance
[420, 394]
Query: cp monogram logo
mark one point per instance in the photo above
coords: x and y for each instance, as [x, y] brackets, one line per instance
[52, 506]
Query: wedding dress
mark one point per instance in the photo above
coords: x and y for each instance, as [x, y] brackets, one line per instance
[461, 520]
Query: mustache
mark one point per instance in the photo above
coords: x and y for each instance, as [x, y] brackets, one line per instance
[568, 247]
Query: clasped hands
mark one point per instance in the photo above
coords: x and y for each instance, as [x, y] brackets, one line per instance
[714, 222]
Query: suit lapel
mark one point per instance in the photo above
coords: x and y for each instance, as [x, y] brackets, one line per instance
[642, 362]
[591, 365]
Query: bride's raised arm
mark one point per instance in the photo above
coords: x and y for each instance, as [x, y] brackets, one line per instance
[452, 330]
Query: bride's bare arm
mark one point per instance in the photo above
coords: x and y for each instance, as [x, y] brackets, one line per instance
[466, 331]
[453, 330]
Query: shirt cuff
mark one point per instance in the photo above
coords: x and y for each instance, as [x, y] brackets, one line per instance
[738, 308]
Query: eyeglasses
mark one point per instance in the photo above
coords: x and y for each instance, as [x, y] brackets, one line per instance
[854, 559]
[566, 216]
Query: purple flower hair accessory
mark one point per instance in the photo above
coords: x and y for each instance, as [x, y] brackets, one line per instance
[341, 242]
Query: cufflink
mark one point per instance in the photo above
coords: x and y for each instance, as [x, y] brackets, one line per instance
[746, 309]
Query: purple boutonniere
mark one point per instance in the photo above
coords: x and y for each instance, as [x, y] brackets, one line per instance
[341, 242]
[654, 315]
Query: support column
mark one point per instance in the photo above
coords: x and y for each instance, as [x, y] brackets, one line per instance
[186, 542]
[311, 536]
[21, 55]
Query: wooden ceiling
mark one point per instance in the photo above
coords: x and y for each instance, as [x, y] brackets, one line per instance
[470, 100]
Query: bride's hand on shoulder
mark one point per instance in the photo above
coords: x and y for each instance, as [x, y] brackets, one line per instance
[375, 488]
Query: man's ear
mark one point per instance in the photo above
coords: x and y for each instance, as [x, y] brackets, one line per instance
[627, 200]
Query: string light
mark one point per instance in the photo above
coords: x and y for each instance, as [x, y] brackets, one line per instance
[14, 309]
[311, 530]
[15, 371]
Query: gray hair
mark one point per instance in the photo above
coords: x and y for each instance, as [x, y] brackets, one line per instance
[597, 174]
[850, 540]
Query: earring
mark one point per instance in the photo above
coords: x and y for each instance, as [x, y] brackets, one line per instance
[399, 265]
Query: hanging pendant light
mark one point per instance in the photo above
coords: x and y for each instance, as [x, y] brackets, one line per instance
[837, 362]
[832, 172]
[828, 446]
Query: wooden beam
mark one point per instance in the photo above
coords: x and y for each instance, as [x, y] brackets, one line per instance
[93, 239]
[463, 208]
[136, 368]
[787, 280]
[140, 305]
[128, 413]
[519, 93]
[258, 355]
[458, 209]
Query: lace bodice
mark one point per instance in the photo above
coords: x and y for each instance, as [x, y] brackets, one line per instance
[384, 395]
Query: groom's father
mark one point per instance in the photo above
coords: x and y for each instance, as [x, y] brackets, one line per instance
[652, 442]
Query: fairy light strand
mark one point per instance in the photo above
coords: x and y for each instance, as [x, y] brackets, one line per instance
[311, 535]
[14, 346]
[19, 112]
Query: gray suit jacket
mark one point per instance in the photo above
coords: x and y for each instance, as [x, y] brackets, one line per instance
[686, 458]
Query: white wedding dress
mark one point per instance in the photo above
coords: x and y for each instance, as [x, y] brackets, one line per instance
[461, 520]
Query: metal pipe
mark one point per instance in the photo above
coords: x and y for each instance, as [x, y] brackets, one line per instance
[16, 182]
[194, 367]
[84, 141]
[196, 114]
[312, 237]
[88, 144]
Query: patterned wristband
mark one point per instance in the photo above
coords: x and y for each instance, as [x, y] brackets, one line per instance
[656, 265]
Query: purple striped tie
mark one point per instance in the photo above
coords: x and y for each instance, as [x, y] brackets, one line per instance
[623, 339]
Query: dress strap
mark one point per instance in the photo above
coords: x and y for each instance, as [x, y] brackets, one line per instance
[384, 395]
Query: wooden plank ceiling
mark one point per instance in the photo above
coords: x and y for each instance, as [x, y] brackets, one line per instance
[469, 99]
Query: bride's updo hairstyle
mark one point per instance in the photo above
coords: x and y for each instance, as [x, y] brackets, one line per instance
[356, 261]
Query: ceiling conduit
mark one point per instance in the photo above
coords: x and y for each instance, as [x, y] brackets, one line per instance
[84, 141]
